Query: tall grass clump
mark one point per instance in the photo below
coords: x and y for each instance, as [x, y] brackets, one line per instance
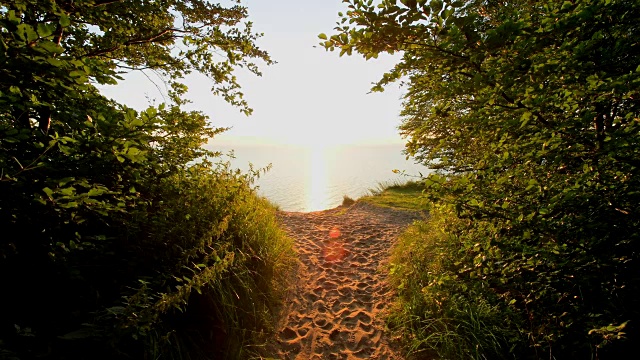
[120, 238]
[440, 310]
[224, 269]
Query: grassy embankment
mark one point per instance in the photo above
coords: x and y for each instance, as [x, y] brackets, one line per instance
[433, 311]
[433, 319]
[394, 195]
[440, 310]
[196, 274]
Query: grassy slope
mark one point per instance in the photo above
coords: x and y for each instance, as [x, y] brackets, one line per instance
[400, 196]
[436, 322]
[428, 312]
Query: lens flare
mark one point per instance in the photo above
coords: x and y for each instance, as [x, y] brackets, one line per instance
[334, 249]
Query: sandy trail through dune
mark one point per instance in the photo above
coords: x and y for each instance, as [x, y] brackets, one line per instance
[336, 309]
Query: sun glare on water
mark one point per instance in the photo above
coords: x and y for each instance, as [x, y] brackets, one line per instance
[317, 186]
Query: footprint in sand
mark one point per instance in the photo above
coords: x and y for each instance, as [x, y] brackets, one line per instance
[288, 334]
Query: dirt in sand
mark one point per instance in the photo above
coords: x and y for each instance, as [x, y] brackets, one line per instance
[336, 310]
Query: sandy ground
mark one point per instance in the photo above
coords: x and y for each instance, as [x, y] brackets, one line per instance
[337, 308]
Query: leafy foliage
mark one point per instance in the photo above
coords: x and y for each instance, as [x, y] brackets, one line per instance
[530, 111]
[120, 236]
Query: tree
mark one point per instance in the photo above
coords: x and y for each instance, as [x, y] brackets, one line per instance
[530, 110]
[54, 52]
[86, 183]
[92, 41]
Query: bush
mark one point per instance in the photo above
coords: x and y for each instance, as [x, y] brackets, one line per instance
[186, 265]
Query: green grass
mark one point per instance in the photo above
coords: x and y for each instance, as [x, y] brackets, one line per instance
[347, 201]
[201, 275]
[397, 195]
[437, 312]
[234, 313]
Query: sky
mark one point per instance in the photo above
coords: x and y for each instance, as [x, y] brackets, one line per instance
[311, 97]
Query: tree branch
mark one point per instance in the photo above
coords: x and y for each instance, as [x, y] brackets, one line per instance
[105, 2]
[150, 39]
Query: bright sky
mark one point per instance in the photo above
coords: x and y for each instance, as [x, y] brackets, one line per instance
[310, 97]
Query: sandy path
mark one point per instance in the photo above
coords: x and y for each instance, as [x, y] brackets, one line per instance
[336, 309]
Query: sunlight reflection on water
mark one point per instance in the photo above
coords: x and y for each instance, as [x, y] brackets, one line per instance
[317, 194]
[311, 179]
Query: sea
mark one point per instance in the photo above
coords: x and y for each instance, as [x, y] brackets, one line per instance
[309, 179]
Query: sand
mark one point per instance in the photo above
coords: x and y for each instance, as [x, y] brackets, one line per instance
[336, 309]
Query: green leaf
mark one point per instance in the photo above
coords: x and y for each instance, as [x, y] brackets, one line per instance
[64, 21]
[30, 32]
[69, 205]
[526, 116]
[436, 5]
[77, 73]
[45, 30]
[65, 181]
[95, 192]
[68, 191]
[50, 47]
[20, 32]
[55, 62]
[322, 36]
[11, 16]
[48, 191]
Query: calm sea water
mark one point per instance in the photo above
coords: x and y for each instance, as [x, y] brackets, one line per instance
[307, 179]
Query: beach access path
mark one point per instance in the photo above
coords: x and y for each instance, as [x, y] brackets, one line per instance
[337, 306]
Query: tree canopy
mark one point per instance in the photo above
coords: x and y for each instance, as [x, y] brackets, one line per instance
[84, 42]
[530, 110]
